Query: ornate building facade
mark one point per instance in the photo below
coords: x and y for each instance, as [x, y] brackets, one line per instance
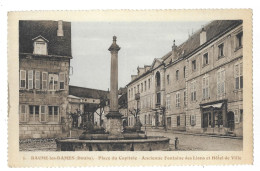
[201, 82]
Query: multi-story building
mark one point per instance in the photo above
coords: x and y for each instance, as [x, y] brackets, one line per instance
[44, 65]
[201, 87]
[214, 82]
[146, 94]
[175, 91]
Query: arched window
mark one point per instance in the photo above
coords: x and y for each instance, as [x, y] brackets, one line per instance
[158, 79]
[177, 74]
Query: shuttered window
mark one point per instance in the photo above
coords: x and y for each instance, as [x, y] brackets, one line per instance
[43, 113]
[193, 91]
[177, 99]
[44, 80]
[184, 97]
[205, 87]
[221, 82]
[168, 102]
[62, 81]
[192, 120]
[239, 76]
[37, 79]
[23, 113]
[22, 79]
[30, 79]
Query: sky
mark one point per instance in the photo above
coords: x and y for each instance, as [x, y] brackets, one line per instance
[140, 43]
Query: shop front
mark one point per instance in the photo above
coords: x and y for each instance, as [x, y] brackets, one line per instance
[215, 119]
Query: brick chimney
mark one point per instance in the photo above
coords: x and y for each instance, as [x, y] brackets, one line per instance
[203, 36]
[174, 50]
[60, 28]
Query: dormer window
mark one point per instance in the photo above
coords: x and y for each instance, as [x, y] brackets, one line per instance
[40, 45]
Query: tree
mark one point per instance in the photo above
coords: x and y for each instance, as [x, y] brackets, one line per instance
[135, 113]
[103, 103]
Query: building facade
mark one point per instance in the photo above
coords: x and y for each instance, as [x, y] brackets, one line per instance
[44, 65]
[146, 94]
[201, 86]
[122, 105]
[87, 105]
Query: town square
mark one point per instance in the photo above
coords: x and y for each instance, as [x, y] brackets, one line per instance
[188, 97]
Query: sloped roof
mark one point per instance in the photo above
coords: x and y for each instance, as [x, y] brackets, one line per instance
[122, 101]
[213, 29]
[161, 60]
[57, 45]
[88, 92]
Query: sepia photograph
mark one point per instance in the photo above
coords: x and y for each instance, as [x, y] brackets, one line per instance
[131, 86]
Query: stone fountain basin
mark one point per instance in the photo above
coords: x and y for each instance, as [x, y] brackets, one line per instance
[106, 136]
[148, 144]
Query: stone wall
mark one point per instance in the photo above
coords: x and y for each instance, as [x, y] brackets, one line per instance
[49, 128]
[39, 131]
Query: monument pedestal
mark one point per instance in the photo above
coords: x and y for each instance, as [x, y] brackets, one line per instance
[114, 125]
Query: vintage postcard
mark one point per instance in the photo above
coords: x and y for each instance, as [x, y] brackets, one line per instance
[130, 88]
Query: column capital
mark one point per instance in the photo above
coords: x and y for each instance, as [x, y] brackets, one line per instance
[114, 47]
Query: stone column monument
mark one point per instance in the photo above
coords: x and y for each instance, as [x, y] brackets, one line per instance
[114, 121]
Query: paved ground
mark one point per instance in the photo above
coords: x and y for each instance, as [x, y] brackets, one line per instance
[186, 143]
[200, 143]
[38, 145]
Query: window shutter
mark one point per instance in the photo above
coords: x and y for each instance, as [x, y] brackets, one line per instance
[59, 114]
[37, 79]
[47, 113]
[22, 79]
[27, 113]
[218, 84]
[56, 81]
[207, 87]
[236, 70]
[43, 113]
[40, 113]
[30, 79]
[44, 80]
[62, 81]
[22, 113]
[241, 69]
[237, 116]
[223, 82]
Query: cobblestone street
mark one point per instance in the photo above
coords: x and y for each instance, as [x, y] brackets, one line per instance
[200, 143]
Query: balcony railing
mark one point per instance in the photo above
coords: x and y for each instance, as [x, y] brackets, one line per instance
[158, 105]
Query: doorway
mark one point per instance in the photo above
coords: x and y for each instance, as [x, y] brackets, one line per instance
[169, 122]
[230, 120]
